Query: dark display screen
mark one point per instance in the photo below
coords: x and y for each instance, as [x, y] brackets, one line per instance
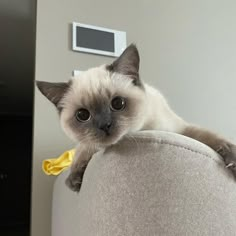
[94, 39]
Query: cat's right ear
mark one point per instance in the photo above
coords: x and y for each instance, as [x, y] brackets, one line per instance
[53, 91]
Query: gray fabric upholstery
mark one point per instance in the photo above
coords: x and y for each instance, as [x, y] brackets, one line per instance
[155, 183]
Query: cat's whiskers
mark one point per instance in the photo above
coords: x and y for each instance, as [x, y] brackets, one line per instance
[132, 138]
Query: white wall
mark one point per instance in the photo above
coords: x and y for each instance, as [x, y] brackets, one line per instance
[191, 57]
[187, 49]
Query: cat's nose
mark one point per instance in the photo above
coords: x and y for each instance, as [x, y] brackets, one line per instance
[106, 127]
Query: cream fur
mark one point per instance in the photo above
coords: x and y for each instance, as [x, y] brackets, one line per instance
[153, 112]
[92, 84]
[144, 109]
[159, 114]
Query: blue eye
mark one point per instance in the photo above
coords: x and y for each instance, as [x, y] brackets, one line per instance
[118, 103]
[82, 115]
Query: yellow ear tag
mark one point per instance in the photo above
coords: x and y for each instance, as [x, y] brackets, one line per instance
[55, 166]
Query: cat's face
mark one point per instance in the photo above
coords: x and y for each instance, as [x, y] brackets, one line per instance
[101, 105]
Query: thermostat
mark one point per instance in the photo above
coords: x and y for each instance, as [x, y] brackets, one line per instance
[98, 40]
[76, 72]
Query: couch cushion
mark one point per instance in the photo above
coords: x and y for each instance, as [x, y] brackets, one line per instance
[150, 183]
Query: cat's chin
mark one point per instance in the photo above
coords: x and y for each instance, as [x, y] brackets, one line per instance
[102, 142]
[109, 140]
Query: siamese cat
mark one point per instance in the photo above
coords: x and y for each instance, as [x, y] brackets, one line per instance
[101, 105]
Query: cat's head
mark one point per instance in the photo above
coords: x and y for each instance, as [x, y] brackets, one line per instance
[102, 104]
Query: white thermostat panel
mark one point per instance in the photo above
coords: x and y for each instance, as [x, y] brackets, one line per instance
[98, 40]
[76, 72]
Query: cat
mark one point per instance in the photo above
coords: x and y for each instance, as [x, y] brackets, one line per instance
[101, 105]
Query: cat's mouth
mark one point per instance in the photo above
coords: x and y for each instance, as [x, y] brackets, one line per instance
[110, 138]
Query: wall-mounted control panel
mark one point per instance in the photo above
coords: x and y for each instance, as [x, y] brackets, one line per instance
[76, 72]
[98, 40]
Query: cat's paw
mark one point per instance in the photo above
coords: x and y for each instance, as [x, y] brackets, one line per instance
[74, 181]
[230, 160]
[231, 165]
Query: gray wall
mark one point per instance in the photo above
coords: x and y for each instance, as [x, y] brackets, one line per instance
[187, 50]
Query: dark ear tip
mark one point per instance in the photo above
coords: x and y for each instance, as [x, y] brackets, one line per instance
[133, 47]
[41, 85]
[38, 83]
[133, 50]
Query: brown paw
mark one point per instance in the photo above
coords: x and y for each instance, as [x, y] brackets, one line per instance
[230, 160]
[74, 181]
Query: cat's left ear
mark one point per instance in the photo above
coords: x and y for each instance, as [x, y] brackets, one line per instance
[54, 92]
[128, 64]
